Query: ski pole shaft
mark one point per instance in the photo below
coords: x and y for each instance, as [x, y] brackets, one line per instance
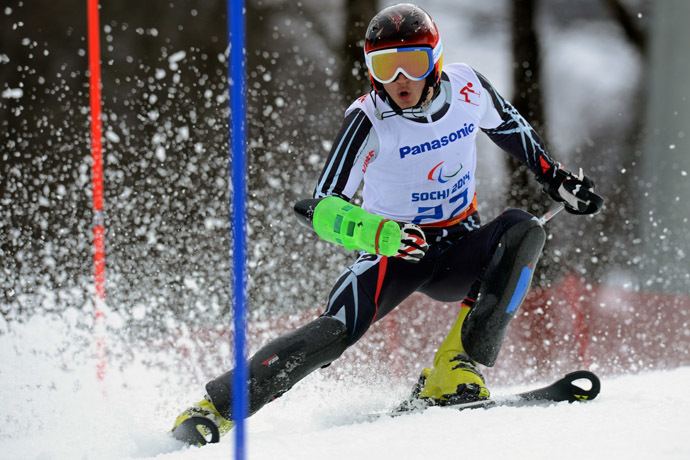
[550, 213]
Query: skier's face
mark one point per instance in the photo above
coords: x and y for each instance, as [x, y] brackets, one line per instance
[405, 92]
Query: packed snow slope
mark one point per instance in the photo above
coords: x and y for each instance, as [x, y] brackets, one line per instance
[55, 409]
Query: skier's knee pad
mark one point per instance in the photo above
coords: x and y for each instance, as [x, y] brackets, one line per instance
[504, 285]
[282, 363]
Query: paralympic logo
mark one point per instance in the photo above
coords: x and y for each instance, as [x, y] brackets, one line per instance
[439, 176]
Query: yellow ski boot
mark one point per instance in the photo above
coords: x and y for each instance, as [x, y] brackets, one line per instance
[201, 424]
[454, 377]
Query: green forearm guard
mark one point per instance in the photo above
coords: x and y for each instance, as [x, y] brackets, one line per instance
[340, 222]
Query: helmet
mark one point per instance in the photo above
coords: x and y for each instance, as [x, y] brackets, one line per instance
[404, 25]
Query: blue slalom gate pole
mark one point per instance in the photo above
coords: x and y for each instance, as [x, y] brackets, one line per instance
[238, 168]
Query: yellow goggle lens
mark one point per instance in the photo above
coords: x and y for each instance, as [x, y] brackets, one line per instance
[416, 64]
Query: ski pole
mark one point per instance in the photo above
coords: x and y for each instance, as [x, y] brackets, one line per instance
[550, 213]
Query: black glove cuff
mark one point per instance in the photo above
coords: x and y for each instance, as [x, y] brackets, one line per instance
[553, 179]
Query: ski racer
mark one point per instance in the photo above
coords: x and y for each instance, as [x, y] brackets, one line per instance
[411, 142]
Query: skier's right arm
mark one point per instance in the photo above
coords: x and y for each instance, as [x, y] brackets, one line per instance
[336, 220]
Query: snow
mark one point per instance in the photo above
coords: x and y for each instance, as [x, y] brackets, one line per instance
[55, 409]
[13, 93]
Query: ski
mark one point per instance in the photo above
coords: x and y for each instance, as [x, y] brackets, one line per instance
[564, 389]
[575, 386]
[196, 431]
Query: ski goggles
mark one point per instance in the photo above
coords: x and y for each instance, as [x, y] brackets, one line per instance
[416, 63]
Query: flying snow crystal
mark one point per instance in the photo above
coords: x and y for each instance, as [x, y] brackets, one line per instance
[191, 283]
[160, 153]
[182, 134]
[314, 159]
[112, 136]
[139, 311]
[175, 58]
[13, 93]
[212, 223]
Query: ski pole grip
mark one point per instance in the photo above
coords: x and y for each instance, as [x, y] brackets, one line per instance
[337, 221]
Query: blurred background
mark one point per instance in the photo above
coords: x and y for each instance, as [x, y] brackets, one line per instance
[604, 81]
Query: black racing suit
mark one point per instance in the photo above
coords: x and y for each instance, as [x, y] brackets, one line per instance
[451, 271]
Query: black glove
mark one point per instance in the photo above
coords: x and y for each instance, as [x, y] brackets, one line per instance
[413, 243]
[577, 192]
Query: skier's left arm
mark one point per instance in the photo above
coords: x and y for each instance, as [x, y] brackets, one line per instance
[511, 132]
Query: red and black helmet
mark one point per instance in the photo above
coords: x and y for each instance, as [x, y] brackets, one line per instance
[404, 25]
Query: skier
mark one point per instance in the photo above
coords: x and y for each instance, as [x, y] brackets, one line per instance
[412, 142]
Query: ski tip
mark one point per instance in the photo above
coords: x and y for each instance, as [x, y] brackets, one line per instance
[583, 385]
[196, 431]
